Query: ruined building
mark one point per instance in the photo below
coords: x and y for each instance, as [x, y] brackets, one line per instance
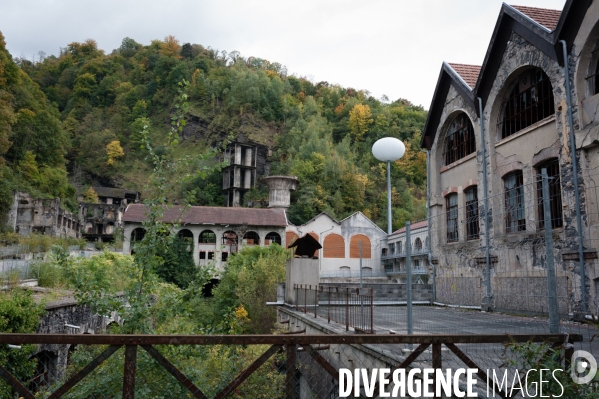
[246, 163]
[491, 130]
[101, 221]
[30, 215]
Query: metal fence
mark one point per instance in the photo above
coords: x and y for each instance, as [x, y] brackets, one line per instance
[349, 306]
[264, 366]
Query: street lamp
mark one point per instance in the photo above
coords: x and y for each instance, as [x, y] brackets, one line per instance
[388, 149]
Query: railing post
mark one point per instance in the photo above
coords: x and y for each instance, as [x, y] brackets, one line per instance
[315, 300]
[437, 365]
[551, 283]
[129, 372]
[371, 311]
[290, 375]
[409, 277]
[329, 307]
[346, 309]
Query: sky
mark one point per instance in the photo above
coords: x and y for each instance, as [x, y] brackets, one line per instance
[391, 47]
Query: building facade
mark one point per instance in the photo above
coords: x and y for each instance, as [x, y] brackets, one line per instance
[342, 243]
[215, 232]
[490, 132]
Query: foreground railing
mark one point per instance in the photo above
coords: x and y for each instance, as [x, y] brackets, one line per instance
[289, 366]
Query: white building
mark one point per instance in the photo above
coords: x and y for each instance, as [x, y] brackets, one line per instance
[341, 242]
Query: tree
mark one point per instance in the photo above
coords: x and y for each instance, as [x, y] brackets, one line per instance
[113, 152]
[91, 197]
[360, 119]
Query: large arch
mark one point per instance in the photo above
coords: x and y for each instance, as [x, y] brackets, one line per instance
[272, 238]
[207, 237]
[138, 234]
[354, 246]
[290, 237]
[333, 246]
[251, 238]
[185, 234]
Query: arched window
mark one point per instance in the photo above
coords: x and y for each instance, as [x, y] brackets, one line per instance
[418, 244]
[138, 234]
[290, 237]
[459, 140]
[354, 246]
[207, 237]
[529, 100]
[229, 238]
[273, 237]
[185, 234]
[333, 246]
[251, 238]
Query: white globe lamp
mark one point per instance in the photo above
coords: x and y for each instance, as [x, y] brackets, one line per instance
[388, 149]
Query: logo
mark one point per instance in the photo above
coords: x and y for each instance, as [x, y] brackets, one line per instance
[584, 367]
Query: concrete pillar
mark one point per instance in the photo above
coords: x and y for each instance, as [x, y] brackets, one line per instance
[247, 179]
[248, 157]
[196, 238]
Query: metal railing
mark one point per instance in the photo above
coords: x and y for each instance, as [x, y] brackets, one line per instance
[352, 307]
[219, 366]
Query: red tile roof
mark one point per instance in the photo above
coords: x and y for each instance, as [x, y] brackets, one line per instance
[417, 225]
[468, 73]
[543, 16]
[212, 215]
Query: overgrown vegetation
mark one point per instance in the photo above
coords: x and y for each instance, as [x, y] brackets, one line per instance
[96, 104]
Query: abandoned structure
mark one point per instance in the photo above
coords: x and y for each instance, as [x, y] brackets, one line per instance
[490, 131]
[30, 215]
[393, 256]
[246, 161]
[215, 232]
[342, 242]
[101, 221]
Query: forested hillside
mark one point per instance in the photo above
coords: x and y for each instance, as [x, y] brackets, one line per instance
[81, 111]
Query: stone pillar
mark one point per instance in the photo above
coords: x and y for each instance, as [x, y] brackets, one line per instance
[280, 188]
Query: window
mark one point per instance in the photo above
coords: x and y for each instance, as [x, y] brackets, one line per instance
[224, 256]
[272, 238]
[451, 203]
[471, 213]
[399, 247]
[514, 203]
[459, 140]
[207, 237]
[210, 255]
[202, 254]
[418, 244]
[391, 248]
[555, 196]
[528, 101]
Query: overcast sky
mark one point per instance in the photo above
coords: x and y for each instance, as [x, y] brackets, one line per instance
[391, 47]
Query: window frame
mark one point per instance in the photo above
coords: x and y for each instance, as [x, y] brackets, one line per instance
[555, 194]
[452, 216]
[529, 100]
[514, 203]
[459, 139]
[472, 218]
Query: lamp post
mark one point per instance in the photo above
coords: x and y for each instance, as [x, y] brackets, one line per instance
[388, 149]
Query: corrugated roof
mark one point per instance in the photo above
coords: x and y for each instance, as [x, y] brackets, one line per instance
[417, 225]
[212, 215]
[543, 16]
[468, 73]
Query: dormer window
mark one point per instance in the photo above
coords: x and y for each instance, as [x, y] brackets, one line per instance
[529, 100]
[459, 140]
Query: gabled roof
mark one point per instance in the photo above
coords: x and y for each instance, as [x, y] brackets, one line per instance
[543, 28]
[212, 215]
[468, 73]
[543, 16]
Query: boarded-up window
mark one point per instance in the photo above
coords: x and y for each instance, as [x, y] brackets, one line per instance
[354, 246]
[333, 247]
[290, 237]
